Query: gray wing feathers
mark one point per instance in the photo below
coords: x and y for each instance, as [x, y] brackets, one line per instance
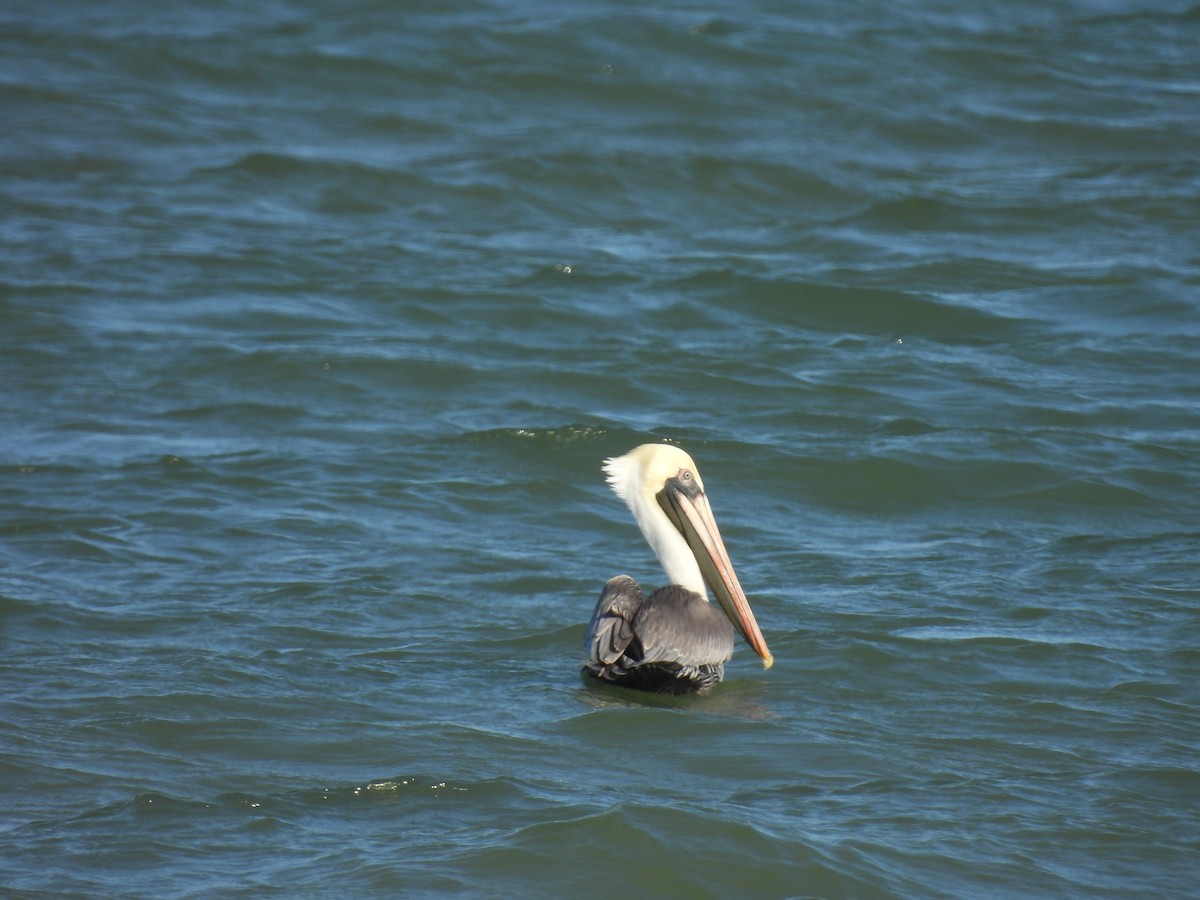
[678, 627]
[611, 630]
[674, 628]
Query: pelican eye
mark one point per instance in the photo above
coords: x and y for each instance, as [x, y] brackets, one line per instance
[687, 483]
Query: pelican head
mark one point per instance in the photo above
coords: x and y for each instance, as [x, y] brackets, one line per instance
[662, 488]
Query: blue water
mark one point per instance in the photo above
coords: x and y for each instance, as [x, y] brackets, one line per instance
[316, 325]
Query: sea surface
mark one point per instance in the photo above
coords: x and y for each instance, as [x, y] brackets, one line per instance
[318, 320]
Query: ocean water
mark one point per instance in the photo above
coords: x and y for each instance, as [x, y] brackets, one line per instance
[317, 322]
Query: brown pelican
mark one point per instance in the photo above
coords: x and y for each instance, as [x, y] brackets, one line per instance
[674, 641]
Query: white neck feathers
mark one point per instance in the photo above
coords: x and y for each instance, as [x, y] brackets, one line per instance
[636, 478]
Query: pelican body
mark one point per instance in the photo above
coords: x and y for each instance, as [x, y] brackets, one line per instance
[674, 641]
